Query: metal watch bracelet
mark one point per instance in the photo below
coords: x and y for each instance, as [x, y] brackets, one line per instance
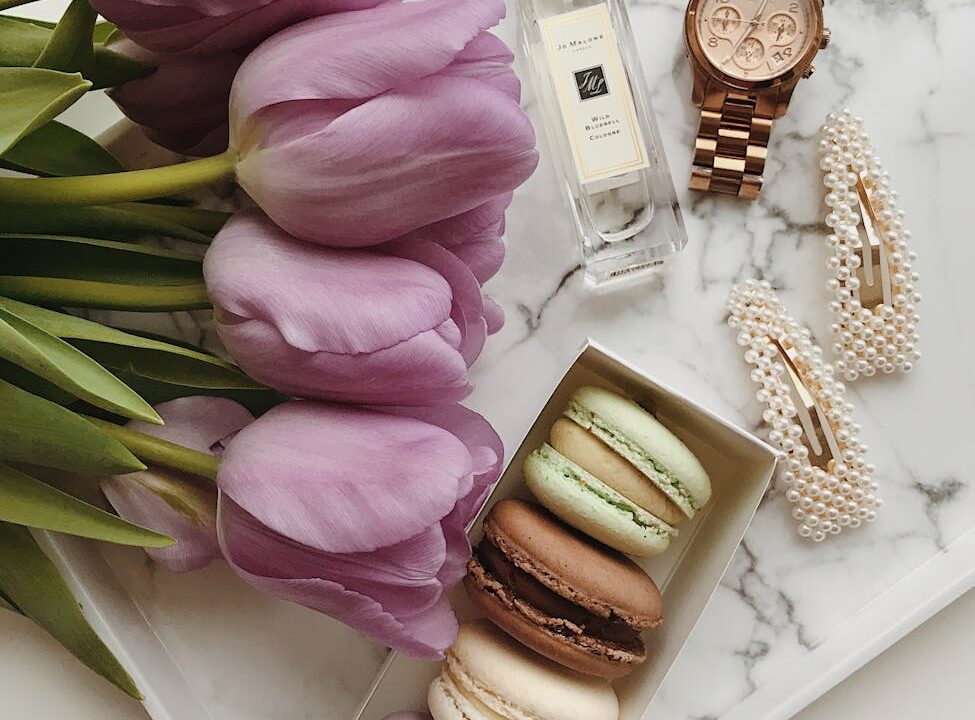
[731, 147]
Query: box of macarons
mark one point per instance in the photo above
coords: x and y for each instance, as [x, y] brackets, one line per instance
[593, 558]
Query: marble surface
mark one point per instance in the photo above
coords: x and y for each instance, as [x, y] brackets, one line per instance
[905, 66]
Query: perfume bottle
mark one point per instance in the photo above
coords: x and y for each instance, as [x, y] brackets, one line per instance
[603, 136]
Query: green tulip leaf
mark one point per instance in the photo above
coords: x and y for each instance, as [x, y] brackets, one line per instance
[21, 41]
[32, 583]
[156, 369]
[181, 383]
[124, 222]
[30, 97]
[56, 149]
[62, 364]
[206, 222]
[87, 272]
[106, 295]
[70, 47]
[25, 500]
[39, 432]
[26, 380]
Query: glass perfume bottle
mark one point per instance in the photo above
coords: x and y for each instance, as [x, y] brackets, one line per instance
[603, 136]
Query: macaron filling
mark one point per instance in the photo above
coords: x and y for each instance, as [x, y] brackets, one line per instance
[522, 586]
[462, 688]
[460, 694]
[591, 484]
[661, 476]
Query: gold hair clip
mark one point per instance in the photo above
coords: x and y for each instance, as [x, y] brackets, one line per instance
[875, 301]
[827, 476]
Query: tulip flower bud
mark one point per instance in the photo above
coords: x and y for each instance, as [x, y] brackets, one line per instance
[355, 128]
[398, 324]
[182, 105]
[359, 513]
[179, 505]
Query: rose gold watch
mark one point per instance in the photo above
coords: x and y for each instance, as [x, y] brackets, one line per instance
[747, 57]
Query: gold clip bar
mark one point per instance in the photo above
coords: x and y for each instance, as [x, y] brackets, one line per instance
[873, 289]
[818, 436]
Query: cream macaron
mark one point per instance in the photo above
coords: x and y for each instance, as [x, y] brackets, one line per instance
[489, 676]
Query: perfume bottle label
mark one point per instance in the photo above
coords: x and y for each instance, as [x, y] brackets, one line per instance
[594, 94]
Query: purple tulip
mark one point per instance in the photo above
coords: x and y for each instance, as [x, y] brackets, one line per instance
[175, 106]
[180, 505]
[206, 26]
[359, 513]
[397, 324]
[354, 128]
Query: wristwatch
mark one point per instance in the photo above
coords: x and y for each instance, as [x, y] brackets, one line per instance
[747, 57]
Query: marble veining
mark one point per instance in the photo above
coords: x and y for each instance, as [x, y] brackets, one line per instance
[906, 67]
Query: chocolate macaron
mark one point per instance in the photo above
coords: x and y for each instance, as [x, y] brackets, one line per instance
[561, 593]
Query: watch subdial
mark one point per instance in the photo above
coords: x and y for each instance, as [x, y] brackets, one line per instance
[725, 21]
[782, 28]
[750, 54]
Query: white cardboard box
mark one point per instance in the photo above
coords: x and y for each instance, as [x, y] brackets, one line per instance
[688, 573]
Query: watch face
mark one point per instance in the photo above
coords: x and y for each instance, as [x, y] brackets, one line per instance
[756, 40]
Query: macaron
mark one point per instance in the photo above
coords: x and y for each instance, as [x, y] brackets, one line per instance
[487, 676]
[615, 472]
[569, 598]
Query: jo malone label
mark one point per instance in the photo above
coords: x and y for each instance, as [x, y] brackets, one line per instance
[594, 94]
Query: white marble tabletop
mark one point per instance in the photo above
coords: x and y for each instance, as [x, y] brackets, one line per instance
[790, 618]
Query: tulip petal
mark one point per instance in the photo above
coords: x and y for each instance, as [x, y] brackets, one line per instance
[484, 258]
[483, 222]
[488, 59]
[458, 548]
[314, 295]
[178, 505]
[205, 26]
[483, 443]
[403, 576]
[493, 314]
[425, 369]
[358, 55]
[292, 572]
[468, 305]
[337, 186]
[385, 478]
[200, 423]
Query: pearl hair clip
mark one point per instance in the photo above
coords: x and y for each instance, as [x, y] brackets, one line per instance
[826, 474]
[875, 302]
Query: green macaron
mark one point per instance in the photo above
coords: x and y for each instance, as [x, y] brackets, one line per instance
[597, 507]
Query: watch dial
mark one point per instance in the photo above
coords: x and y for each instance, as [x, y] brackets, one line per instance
[756, 40]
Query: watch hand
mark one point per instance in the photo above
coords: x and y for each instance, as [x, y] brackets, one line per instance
[748, 31]
[746, 22]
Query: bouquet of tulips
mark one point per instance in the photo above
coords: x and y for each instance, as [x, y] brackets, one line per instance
[325, 456]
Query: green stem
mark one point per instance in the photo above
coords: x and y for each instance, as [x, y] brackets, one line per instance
[118, 187]
[104, 295]
[153, 451]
